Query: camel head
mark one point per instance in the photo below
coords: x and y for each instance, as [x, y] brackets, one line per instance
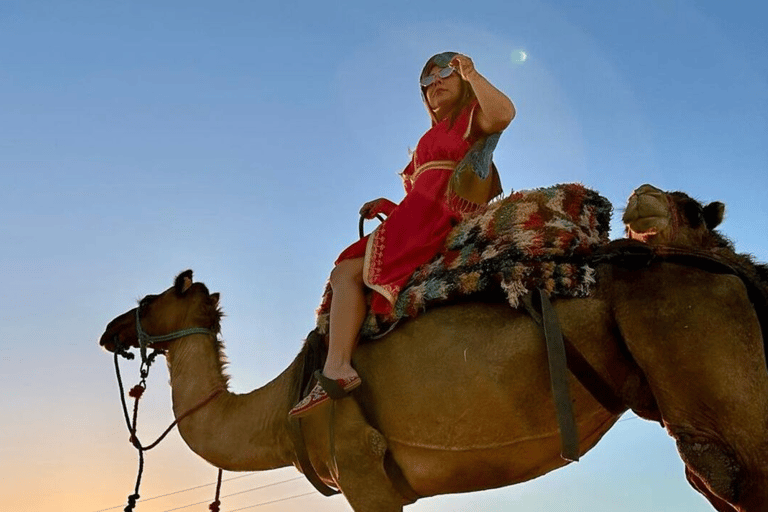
[672, 218]
[182, 306]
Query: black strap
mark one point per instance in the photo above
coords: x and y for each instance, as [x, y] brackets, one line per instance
[397, 478]
[584, 372]
[361, 222]
[331, 386]
[558, 366]
[305, 465]
[313, 358]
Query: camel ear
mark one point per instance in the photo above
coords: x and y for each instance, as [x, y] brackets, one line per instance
[215, 299]
[183, 282]
[713, 214]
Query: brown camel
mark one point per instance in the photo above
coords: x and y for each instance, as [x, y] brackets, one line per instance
[459, 398]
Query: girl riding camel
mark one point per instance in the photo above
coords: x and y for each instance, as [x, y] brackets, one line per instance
[467, 114]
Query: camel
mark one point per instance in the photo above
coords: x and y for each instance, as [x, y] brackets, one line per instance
[459, 398]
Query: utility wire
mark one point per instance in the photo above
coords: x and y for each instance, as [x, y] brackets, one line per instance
[274, 501]
[237, 493]
[181, 491]
[622, 420]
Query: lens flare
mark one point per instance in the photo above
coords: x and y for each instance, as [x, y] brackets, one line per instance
[519, 56]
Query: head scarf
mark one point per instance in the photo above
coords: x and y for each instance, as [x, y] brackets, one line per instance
[441, 60]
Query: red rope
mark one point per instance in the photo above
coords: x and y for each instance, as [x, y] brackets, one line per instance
[136, 393]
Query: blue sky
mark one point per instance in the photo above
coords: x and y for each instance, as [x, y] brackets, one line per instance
[138, 139]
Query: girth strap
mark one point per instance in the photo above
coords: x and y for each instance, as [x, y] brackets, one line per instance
[566, 420]
[558, 345]
[305, 465]
[313, 359]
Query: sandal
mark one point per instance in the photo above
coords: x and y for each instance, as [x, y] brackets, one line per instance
[325, 389]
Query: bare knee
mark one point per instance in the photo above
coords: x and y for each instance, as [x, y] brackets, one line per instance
[347, 273]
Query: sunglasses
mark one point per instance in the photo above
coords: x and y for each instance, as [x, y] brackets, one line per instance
[443, 73]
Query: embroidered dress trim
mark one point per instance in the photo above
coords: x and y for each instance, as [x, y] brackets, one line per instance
[448, 165]
[373, 253]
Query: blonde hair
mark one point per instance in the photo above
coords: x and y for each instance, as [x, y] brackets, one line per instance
[466, 96]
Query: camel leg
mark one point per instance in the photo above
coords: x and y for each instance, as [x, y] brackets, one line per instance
[706, 369]
[359, 461]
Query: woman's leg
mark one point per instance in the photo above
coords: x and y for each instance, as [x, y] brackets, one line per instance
[346, 317]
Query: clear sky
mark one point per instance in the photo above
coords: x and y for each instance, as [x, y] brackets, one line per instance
[239, 139]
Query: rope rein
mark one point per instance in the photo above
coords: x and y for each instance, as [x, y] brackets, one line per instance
[136, 392]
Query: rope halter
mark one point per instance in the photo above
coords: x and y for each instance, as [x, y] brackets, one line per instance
[145, 340]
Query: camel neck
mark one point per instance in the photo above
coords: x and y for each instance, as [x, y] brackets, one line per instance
[234, 432]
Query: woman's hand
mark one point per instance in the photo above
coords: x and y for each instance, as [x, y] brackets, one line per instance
[496, 110]
[464, 66]
[377, 206]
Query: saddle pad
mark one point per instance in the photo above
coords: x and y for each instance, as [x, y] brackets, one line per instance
[537, 238]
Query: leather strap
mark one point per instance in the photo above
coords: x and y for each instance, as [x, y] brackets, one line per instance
[396, 477]
[576, 363]
[558, 365]
[584, 372]
[331, 386]
[302, 459]
[588, 377]
[313, 358]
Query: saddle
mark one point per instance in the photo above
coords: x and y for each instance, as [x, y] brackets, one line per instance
[531, 239]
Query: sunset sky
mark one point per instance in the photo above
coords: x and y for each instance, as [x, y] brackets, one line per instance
[239, 139]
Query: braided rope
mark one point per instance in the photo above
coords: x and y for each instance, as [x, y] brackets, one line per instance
[214, 507]
[145, 340]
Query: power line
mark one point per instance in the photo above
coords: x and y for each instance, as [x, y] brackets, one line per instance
[622, 420]
[181, 491]
[274, 501]
[238, 493]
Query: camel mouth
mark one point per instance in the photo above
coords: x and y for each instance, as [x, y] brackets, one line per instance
[642, 236]
[108, 342]
[119, 332]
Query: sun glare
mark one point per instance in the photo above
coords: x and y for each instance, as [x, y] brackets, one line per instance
[519, 56]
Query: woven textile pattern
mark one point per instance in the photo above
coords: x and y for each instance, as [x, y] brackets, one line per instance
[538, 238]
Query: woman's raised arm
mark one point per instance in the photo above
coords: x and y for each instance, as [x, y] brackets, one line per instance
[496, 109]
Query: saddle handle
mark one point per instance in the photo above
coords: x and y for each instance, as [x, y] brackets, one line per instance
[362, 222]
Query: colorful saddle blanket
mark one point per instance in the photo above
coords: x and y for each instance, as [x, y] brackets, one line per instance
[531, 239]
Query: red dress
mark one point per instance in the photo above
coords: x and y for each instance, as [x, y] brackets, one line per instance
[414, 231]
